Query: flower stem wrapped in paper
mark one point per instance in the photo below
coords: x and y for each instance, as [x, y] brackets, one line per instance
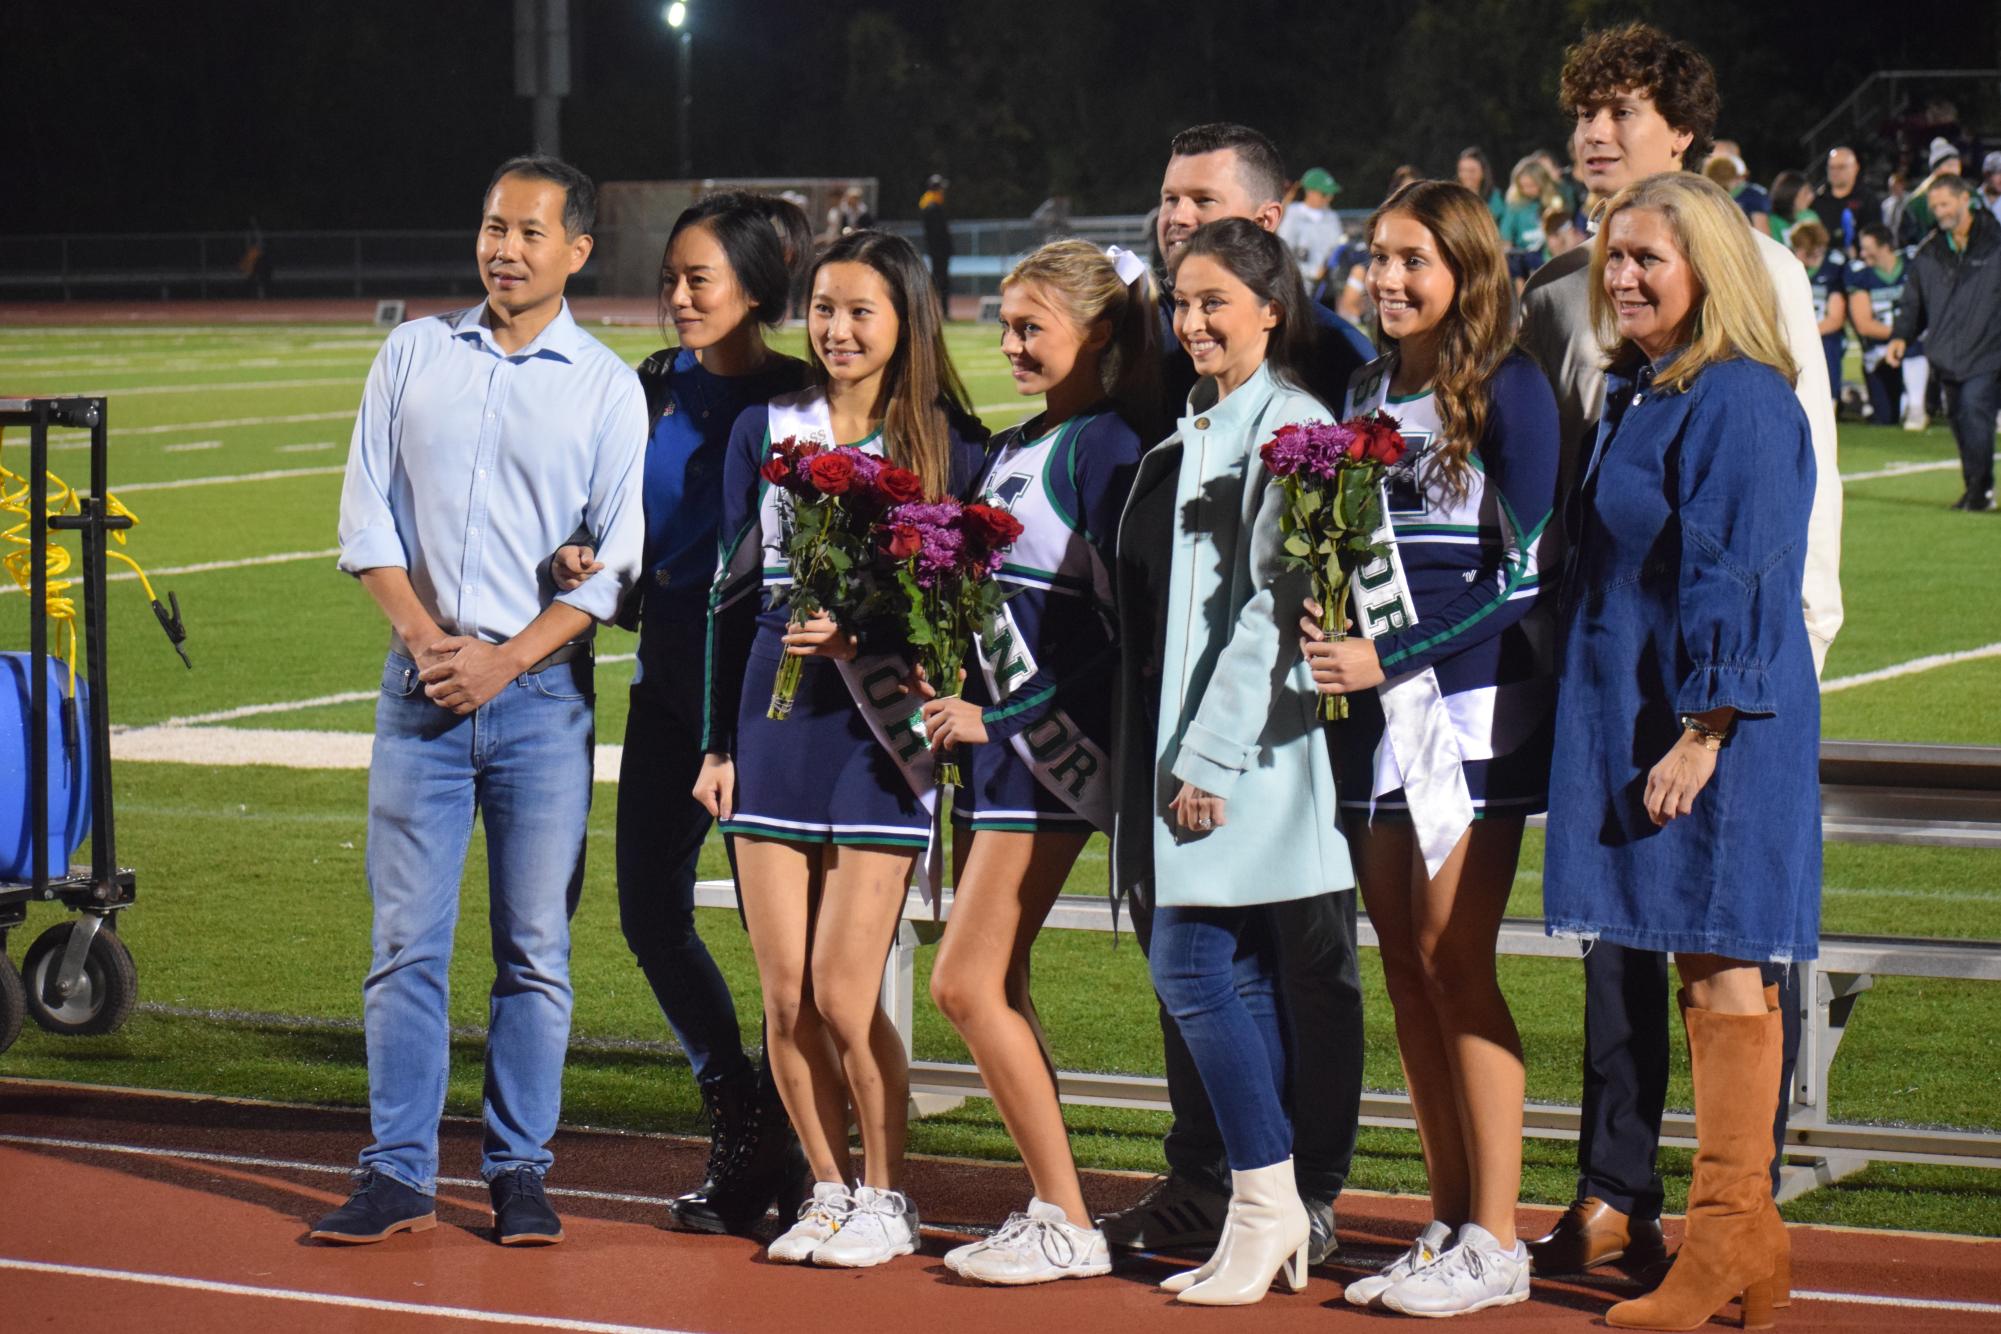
[942, 558]
[1335, 521]
[837, 496]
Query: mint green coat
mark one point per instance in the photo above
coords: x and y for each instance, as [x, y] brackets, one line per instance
[1237, 712]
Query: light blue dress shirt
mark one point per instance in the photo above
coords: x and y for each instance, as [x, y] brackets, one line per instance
[470, 466]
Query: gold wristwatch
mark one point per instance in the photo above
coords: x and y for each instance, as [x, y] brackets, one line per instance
[1711, 738]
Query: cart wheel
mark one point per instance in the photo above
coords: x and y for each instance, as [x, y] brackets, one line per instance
[101, 1004]
[13, 1002]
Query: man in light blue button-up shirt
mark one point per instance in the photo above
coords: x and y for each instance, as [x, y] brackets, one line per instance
[486, 439]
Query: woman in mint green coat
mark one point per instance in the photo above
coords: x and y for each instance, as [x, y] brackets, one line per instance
[1226, 796]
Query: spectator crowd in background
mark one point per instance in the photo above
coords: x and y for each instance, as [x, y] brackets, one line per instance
[1857, 223]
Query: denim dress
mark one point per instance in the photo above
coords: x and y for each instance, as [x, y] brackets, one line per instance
[1683, 595]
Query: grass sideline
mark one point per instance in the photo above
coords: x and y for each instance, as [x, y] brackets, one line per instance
[252, 899]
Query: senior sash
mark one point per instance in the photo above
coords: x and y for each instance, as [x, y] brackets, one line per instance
[1061, 755]
[1420, 749]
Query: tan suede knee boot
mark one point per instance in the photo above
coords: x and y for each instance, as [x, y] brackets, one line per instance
[1731, 1243]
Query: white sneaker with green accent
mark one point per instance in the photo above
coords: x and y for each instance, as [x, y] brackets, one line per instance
[820, 1217]
[1430, 1243]
[881, 1225]
[1039, 1246]
[1474, 1275]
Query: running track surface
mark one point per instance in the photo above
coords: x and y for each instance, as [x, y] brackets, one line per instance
[155, 1212]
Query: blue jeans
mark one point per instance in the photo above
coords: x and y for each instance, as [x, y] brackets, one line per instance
[1216, 970]
[523, 761]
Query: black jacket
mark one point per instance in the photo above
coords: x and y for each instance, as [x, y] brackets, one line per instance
[1954, 300]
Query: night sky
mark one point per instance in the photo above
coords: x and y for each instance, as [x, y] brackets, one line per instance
[124, 117]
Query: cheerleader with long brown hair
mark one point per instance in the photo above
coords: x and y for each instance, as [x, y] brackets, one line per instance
[1446, 750]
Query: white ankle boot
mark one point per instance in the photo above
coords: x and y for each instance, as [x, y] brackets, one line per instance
[1265, 1235]
[1183, 1279]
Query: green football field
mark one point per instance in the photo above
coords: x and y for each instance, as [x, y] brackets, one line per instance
[251, 927]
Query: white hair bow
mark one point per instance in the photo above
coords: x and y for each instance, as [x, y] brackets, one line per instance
[1130, 266]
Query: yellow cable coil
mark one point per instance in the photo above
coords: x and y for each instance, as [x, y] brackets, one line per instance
[58, 605]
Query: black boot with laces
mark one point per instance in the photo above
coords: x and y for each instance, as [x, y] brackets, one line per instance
[754, 1160]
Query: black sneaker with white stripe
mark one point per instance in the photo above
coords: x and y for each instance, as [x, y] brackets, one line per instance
[1174, 1213]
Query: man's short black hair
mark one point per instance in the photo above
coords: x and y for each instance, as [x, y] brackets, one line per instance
[1880, 234]
[1258, 163]
[580, 197]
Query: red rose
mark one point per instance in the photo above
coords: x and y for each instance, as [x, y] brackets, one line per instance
[776, 469]
[900, 484]
[1377, 440]
[902, 542]
[832, 474]
[992, 527]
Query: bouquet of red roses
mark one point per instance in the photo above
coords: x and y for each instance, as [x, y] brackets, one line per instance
[1333, 521]
[941, 558]
[837, 497]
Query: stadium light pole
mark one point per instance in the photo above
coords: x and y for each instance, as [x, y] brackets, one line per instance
[676, 15]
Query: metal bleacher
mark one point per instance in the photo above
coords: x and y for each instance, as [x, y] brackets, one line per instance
[1871, 792]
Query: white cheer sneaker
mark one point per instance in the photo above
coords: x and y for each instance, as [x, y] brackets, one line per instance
[880, 1225]
[1474, 1275]
[1430, 1244]
[820, 1217]
[1039, 1246]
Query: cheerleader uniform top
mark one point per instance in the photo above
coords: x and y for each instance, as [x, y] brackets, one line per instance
[1470, 561]
[821, 774]
[1044, 671]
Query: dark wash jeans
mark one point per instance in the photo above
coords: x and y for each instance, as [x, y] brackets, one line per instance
[1972, 403]
[1626, 1044]
[1321, 1001]
[661, 828]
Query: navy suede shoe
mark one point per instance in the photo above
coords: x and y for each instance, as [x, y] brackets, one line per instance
[521, 1212]
[381, 1205]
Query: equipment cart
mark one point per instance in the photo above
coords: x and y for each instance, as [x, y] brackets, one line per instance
[77, 977]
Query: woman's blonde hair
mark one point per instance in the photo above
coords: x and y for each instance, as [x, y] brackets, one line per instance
[1478, 332]
[1085, 285]
[1531, 166]
[1736, 310]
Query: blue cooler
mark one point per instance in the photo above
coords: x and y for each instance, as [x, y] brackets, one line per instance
[68, 767]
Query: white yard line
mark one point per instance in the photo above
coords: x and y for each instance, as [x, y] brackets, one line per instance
[1910, 668]
[1899, 470]
[70, 333]
[336, 1299]
[270, 475]
[215, 387]
[205, 567]
[312, 448]
[256, 710]
[190, 446]
[118, 432]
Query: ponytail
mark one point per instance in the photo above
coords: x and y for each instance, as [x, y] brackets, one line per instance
[1092, 286]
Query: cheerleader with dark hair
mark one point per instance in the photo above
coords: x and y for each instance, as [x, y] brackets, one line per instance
[829, 817]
